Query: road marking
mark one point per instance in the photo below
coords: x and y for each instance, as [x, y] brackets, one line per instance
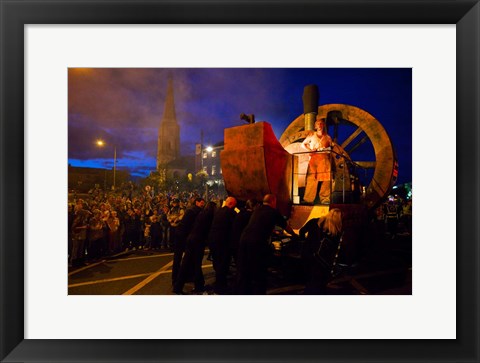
[122, 277]
[140, 257]
[85, 267]
[107, 280]
[148, 280]
[114, 260]
[168, 271]
[96, 263]
[162, 271]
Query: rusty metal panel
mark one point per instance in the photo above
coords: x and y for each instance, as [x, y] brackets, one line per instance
[254, 164]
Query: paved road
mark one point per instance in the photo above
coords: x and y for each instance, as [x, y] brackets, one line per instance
[133, 272]
[386, 270]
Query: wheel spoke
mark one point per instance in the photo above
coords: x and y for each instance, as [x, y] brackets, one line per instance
[351, 137]
[358, 144]
[366, 164]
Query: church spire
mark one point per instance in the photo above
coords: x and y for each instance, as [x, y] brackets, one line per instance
[169, 114]
[169, 131]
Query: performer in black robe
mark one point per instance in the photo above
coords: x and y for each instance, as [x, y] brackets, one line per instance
[194, 251]
[254, 248]
[219, 243]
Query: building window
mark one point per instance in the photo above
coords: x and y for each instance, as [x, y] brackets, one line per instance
[204, 154]
[220, 170]
[214, 169]
[205, 169]
[214, 153]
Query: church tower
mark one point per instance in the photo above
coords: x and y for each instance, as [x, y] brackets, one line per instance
[168, 132]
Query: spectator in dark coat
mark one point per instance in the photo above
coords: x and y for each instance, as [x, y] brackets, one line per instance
[137, 234]
[174, 217]
[194, 251]
[392, 214]
[155, 229]
[181, 233]
[71, 216]
[219, 243]
[95, 235]
[131, 234]
[165, 224]
[79, 234]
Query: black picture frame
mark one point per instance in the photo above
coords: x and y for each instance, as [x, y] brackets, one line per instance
[15, 14]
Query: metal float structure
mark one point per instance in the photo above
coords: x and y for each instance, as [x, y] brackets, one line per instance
[255, 163]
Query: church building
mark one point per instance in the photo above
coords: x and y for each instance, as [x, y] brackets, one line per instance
[168, 132]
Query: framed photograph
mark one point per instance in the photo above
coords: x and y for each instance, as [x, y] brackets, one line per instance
[43, 317]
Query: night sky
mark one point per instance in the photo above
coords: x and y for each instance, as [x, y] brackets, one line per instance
[124, 107]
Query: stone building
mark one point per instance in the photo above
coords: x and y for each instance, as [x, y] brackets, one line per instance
[82, 179]
[207, 158]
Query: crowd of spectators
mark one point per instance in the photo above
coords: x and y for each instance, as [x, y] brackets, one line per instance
[394, 217]
[101, 224]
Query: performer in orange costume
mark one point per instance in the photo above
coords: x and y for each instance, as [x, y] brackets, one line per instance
[319, 165]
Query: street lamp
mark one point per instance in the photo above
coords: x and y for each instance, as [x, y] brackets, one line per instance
[208, 150]
[101, 143]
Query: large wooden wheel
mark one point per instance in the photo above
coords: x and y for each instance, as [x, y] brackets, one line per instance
[354, 131]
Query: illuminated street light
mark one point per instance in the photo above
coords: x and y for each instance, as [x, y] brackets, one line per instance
[101, 143]
[209, 149]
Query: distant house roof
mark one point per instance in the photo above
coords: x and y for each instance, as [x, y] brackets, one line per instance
[86, 169]
[183, 162]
